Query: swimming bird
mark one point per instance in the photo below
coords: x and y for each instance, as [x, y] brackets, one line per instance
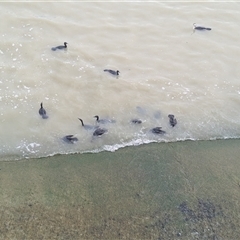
[70, 139]
[172, 120]
[157, 130]
[116, 73]
[99, 131]
[200, 27]
[42, 111]
[88, 127]
[103, 121]
[60, 47]
[136, 121]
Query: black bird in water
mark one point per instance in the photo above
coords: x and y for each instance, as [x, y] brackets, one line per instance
[70, 139]
[99, 131]
[42, 112]
[172, 120]
[157, 130]
[103, 121]
[116, 73]
[136, 121]
[195, 27]
[88, 127]
[60, 47]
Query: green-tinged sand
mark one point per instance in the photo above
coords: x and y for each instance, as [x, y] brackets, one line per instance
[184, 190]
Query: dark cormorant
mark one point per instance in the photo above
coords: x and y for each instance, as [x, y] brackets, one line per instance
[88, 127]
[60, 47]
[136, 121]
[99, 131]
[172, 120]
[42, 112]
[116, 73]
[70, 139]
[104, 121]
[157, 130]
[200, 27]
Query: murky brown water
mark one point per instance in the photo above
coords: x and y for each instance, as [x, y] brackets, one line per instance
[164, 68]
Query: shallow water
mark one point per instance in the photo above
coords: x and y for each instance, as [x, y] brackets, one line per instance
[165, 68]
[181, 190]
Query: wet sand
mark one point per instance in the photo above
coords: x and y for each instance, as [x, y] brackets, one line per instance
[183, 190]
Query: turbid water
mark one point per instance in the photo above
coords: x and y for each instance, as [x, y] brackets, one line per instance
[165, 68]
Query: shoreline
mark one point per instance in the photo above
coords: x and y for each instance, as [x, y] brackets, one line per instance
[180, 190]
[17, 159]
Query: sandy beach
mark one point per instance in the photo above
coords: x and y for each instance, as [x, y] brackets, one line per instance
[181, 190]
[178, 79]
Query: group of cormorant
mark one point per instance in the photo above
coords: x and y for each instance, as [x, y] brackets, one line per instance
[97, 130]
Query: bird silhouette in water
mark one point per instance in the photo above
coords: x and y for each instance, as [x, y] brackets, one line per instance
[88, 127]
[172, 120]
[157, 130]
[70, 139]
[99, 131]
[201, 28]
[60, 47]
[103, 121]
[115, 73]
[42, 111]
[136, 121]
